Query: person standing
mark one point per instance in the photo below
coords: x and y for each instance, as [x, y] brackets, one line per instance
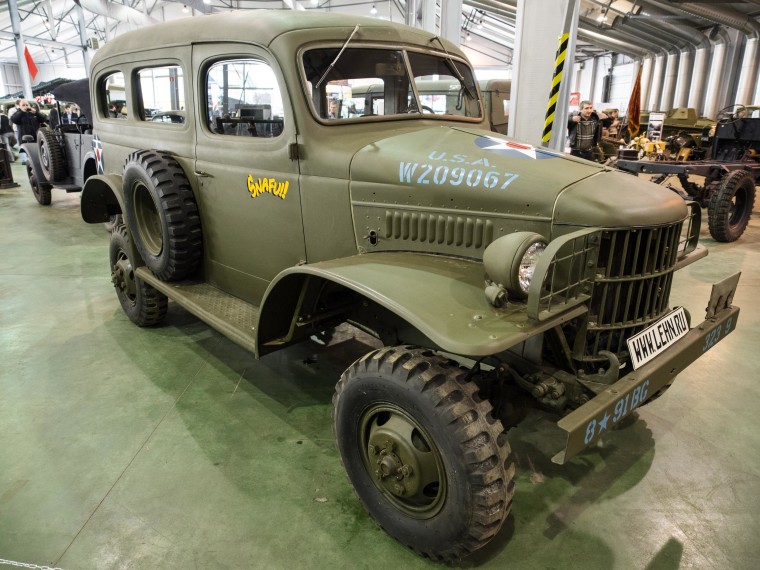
[6, 132]
[11, 112]
[27, 121]
[585, 130]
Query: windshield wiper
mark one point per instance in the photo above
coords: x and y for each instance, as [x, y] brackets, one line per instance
[337, 57]
[455, 69]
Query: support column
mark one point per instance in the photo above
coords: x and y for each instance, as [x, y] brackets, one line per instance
[26, 80]
[83, 38]
[539, 27]
[428, 16]
[451, 21]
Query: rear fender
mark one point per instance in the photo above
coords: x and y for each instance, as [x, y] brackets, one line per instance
[438, 300]
[102, 197]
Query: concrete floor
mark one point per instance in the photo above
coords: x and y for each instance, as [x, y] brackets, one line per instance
[171, 447]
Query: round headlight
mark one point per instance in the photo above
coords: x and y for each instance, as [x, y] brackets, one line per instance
[510, 261]
[528, 265]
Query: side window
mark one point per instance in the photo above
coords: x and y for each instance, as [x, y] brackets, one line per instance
[113, 96]
[161, 93]
[243, 99]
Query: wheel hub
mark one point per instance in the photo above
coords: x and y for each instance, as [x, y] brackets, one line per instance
[403, 461]
[122, 276]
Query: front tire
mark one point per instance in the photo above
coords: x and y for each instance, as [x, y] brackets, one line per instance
[162, 214]
[143, 304]
[730, 206]
[422, 451]
[41, 190]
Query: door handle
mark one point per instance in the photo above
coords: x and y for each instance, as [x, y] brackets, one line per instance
[202, 174]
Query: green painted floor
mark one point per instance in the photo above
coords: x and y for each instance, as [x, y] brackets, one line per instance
[171, 447]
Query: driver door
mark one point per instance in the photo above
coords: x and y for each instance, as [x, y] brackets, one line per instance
[248, 187]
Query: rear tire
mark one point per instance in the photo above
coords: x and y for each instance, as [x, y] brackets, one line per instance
[41, 190]
[162, 215]
[731, 206]
[144, 305]
[425, 456]
[52, 161]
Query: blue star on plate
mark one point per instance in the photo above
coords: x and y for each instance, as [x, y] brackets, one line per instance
[603, 422]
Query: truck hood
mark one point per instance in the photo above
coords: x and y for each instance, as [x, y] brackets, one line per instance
[460, 171]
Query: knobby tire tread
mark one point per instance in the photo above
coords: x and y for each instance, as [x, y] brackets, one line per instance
[55, 171]
[490, 469]
[182, 247]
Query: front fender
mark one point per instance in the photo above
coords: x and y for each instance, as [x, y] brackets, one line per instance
[32, 152]
[102, 197]
[442, 297]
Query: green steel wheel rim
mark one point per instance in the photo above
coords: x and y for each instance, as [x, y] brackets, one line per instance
[403, 461]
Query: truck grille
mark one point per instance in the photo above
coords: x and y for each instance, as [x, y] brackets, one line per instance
[631, 290]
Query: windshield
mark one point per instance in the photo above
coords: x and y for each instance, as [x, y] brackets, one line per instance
[371, 82]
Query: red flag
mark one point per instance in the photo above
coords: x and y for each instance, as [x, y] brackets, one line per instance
[634, 107]
[30, 63]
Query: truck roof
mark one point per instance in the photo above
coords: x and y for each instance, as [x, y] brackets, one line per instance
[257, 26]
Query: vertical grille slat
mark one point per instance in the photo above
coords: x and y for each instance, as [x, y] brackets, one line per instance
[632, 289]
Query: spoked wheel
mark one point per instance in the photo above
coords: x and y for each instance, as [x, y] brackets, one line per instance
[143, 304]
[41, 190]
[731, 206]
[424, 454]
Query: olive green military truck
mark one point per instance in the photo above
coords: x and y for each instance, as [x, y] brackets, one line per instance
[485, 266]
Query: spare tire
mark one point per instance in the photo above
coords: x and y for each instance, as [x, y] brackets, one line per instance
[52, 160]
[162, 214]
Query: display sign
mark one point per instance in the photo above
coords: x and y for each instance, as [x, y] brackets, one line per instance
[654, 129]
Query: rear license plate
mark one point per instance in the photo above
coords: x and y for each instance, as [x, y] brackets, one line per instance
[657, 338]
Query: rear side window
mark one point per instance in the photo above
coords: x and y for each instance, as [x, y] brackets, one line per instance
[113, 96]
[243, 99]
[161, 92]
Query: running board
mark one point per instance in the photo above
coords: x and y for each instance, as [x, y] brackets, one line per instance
[234, 318]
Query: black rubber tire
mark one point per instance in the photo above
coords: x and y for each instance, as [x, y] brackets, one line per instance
[459, 487]
[41, 190]
[52, 161]
[143, 304]
[162, 214]
[113, 222]
[730, 206]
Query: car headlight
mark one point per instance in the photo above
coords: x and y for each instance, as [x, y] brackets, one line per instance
[510, 261]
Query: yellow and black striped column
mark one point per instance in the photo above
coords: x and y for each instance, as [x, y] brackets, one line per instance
[559, 65]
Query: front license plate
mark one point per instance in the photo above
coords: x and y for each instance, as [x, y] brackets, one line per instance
[657, 338]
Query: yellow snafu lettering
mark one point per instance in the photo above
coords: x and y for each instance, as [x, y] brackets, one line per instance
[269, 185]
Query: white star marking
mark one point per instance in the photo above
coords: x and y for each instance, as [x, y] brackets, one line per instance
[525, 149]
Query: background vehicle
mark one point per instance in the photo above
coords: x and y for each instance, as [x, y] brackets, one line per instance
[440, 97]
[63, 156]
[272, 215]
[731, 171]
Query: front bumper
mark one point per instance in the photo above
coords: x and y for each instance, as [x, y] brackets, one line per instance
[586, 424]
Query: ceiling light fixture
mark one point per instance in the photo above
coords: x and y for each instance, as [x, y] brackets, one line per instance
[185, 9]
[373, 10]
